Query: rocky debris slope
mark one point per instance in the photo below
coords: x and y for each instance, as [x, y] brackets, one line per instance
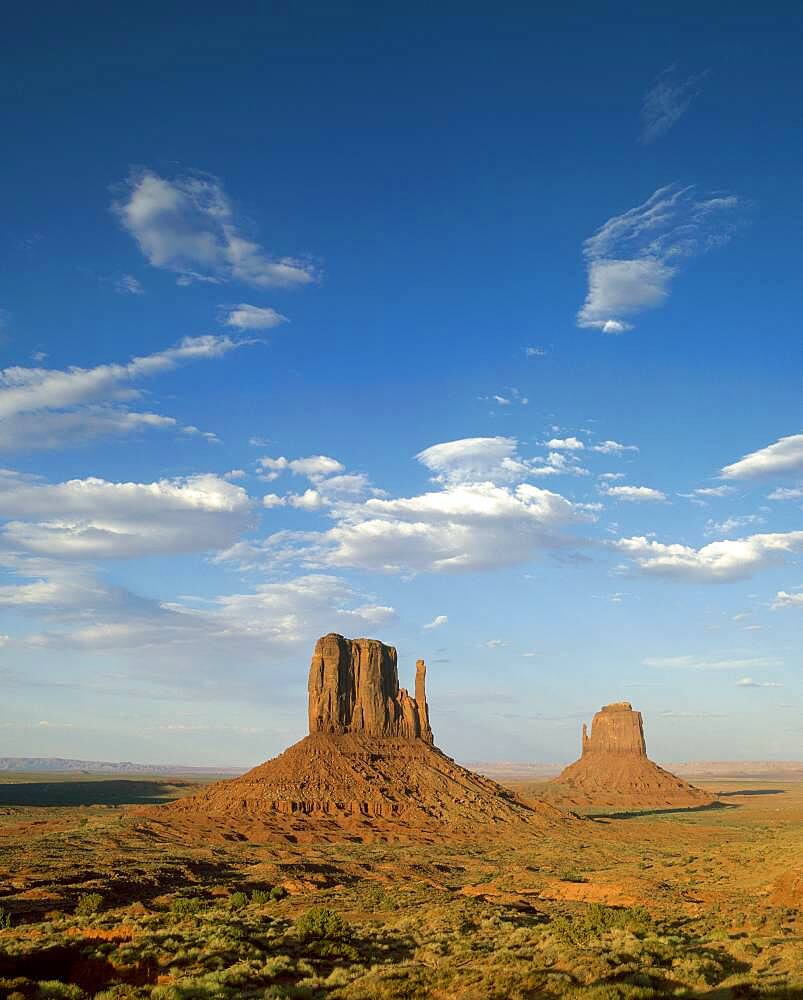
[614, 772]
[368, 768]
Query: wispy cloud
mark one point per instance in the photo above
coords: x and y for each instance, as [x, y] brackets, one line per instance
[43, 408]
[783, 457]
[187, 225]
[748, 682]
[127, 284]
[633, 258]
[667, 100]
[709, 662]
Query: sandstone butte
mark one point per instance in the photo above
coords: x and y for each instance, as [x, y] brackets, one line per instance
[614, 771]
[368, 768]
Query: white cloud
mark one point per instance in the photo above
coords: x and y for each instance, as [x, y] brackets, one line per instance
[611, 477]
[233, 474]
[783, 599]
[436, 622]
[784, 457]
[492, 459]
[308, 500]
[494, 643]
[748, 682]
[633, 494]
[248, 317]
[44, 408]
[274, 618]
[633, 257]
[709, 663]
[535, 352]
[558, 464]
[93, 518]
[566, 444]
[461, 527]
[667, 101]
[731, 524]
[316, 466]
[127, 284]
[721, 561]
[784, 493]
[613, 448]
[273, 500]
[187, 226]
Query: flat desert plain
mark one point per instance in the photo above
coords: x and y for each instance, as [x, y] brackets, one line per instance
[96, 902]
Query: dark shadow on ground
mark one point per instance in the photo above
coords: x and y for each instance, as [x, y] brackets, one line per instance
[753, 791]
[114, 792]
[668, 811]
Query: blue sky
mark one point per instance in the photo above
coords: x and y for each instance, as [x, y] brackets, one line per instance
[475, 331]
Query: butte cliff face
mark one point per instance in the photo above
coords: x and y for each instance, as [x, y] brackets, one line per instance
[368, 768]
[614, 771]
[354, 688]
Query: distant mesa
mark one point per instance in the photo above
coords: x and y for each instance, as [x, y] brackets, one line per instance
[614, 772]
[368, 768]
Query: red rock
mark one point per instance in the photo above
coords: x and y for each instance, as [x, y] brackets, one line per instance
[614, 772]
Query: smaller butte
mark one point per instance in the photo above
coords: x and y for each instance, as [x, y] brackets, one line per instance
[614, 771]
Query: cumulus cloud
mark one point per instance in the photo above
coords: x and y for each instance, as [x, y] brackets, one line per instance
[436, 622]
[247, 317]
[633, 258]
[566, 444]
[717, 562]
[783, 599]
[43, 408]
[782, 458]
[93, 518]
[633, 494]
[187, 225]
[667, 100]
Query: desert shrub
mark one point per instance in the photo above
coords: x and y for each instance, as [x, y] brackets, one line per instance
[278, 892]
[597, 919]
[237, 900]
[5, 919]
[320, 924]
[572, 876]
[260, 896]
[185, 906]
[54, 989]
[88, 903]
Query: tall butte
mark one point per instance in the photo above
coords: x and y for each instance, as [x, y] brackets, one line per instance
[368, 767]
[614, 770]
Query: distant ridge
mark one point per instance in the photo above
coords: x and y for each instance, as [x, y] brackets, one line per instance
[67, 764]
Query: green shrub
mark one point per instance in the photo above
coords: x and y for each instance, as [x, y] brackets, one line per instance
[278, 892]
[571, 876]
[53, 989]
[5, 919]
[88, 903]
[320, 924]
[260, 896]
[185, 906]
[237, 900]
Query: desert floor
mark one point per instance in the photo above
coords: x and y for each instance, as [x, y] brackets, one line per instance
[695, 904]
